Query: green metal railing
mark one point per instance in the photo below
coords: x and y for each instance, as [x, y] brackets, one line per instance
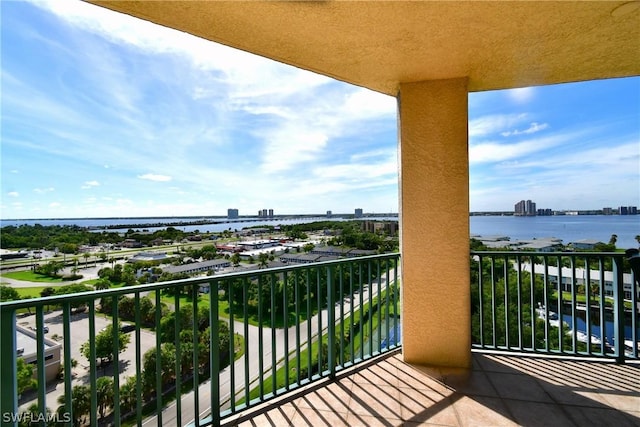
[576, 304]
[291, 326]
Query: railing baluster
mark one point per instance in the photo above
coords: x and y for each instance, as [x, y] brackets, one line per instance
[285, 315]
[331, 323]
[214, 353]
[176, 301]
[296, 285]
[232, 337]
[116, 358]
[618, 289]
[196, 352]
[319, 311]
[158, 318]
[8, 362]
[92, 362]
[309, 316]
[274, 346]
[587, 294]
[138, 360]
[40, 367]
[260, 340]
[68, 375]
[247, 339]
[603, 302]
[352, 316]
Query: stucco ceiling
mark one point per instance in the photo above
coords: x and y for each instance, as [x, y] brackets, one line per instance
[379, 44]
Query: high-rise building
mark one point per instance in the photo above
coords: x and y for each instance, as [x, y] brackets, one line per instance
[270, 213]
[232, 213]
[358, 213]
[525, 208]
[329, 213]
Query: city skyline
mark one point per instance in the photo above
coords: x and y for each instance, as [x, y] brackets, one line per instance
[136, 120]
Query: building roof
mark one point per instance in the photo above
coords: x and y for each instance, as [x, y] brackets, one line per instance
[380, 44]
[214, 263]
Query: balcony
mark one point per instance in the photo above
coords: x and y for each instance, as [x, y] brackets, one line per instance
[330, 332]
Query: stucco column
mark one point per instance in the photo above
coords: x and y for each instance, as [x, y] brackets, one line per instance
[434, 223]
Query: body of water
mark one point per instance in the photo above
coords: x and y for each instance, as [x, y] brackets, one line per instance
[569, 228]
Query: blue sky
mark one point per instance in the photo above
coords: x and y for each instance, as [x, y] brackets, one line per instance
[105, 115]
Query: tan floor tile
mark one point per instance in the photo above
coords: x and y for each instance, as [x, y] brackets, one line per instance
[518, 386]
[315, 418]
[476, 384]
[356, 420]
[281, 416]
[417, 377]
[624, 402]
[377, 401]
[384, 374]
[414, 401]
[419, 408]
[334, 397]
[601, 417]
[536, 414]
[482, 411]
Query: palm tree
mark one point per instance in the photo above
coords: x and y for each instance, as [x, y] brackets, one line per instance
[80, 402]
[263, 260]
[104, 392]
[86, 258]
[128, 395]
[638, 238]
[102, 284]
[613, 239]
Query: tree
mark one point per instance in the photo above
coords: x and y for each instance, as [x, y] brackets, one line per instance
[263, 260]
[80, 403]
[613, 239]
[7, 293]
[167, 367]
[638, 238]
[104, 393]
[235, 259]
[308, 247]
[25, 376]
[104, 344]
[102, 284]
[128, 395]
[86, 258]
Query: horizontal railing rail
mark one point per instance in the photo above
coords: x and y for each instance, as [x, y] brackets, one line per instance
[196, 350]
[567, 303]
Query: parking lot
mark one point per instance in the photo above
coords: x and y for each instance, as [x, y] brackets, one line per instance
[79, 328]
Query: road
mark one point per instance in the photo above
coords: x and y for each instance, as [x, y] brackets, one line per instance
[169, 413]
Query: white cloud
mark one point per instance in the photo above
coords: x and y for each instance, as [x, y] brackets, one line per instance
[535, 127]
[155, 177]
[90, 184]
[54, 205]
[497, 152]
[43, 190]
[13, 194]
[490, 124]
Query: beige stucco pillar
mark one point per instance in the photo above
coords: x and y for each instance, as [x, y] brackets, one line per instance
[434, 218]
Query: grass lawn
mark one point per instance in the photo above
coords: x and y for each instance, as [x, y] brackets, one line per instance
[361, 338]
[30, 276]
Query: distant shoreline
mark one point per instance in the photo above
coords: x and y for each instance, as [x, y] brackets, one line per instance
[210, 219]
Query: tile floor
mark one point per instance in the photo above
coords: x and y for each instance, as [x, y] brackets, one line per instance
[501, 390]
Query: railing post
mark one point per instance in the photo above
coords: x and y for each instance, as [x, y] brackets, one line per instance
[618, 316]
[214, 354]
[8, 363]
[331, 323]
